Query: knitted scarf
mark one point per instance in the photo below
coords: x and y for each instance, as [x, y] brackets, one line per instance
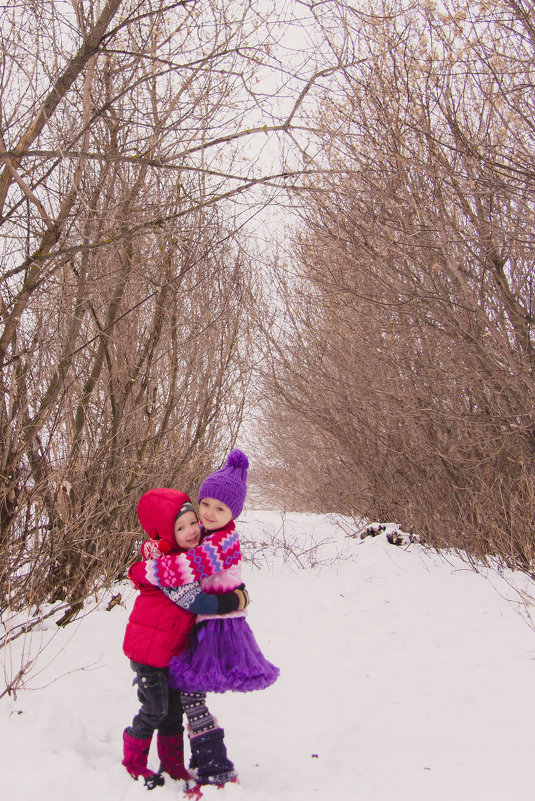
[217, 552]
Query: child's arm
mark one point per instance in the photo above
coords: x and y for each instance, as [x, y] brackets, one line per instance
[192, 598]
[216, 552]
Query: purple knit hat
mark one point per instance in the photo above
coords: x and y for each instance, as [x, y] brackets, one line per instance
[228, 485]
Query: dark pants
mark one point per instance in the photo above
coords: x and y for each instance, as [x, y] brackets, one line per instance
[161, 708]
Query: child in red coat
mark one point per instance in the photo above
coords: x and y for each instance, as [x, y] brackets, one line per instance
[158, 629]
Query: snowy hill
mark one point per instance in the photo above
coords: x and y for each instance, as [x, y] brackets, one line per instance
[403, 676]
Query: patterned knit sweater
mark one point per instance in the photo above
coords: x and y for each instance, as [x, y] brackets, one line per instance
[217, 552]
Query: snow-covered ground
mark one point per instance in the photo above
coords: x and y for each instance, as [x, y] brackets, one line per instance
[404, 675]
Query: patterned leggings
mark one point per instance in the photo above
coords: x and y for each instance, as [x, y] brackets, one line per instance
[199, 717]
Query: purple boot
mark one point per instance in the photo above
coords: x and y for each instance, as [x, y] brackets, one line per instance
[171, 753]
[135, 757]
[209, 756]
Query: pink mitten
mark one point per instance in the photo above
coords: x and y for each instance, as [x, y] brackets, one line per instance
[154, 547]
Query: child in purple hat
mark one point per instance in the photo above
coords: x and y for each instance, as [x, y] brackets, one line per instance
[223, 653]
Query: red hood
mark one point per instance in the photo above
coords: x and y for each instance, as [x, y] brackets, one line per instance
[157, 510]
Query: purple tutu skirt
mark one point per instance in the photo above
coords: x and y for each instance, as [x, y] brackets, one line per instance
[222, 655]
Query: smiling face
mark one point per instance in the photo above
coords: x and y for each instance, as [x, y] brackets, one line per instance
[214, 514]
[187, 531]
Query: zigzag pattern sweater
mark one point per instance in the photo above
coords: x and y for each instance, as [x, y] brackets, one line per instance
[217, 552]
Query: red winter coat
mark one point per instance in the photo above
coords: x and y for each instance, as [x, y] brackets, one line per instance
[158, 629]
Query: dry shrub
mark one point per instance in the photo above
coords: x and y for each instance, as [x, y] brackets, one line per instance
[399, 361]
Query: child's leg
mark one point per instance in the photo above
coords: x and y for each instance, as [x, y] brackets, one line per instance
[209, 759]
[172, 723]
[170, 740]
[199, 717]
[152, 692]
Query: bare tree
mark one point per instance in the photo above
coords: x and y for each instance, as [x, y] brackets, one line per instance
[125, 353]
[406, 355]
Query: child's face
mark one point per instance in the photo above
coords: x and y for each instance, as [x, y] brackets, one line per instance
[214, 514]
[187, 531]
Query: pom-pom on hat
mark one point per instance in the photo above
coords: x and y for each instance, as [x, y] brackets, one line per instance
[228, 485]
[159, 508]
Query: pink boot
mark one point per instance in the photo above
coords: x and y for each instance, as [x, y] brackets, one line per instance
[171, 753]
[136, 753]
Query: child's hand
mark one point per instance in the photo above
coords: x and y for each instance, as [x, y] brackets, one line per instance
[243, 596]
[154, 547]
[233, 601]
[136, 574]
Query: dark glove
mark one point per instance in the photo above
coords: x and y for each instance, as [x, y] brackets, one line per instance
[233, 601]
